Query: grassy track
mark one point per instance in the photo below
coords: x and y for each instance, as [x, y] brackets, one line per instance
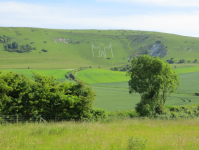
[160, 134]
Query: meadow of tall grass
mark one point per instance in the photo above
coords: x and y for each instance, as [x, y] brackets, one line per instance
[114, 135]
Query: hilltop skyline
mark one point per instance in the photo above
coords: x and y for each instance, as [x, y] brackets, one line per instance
[168, 16]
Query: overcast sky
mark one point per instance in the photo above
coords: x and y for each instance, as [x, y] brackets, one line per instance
[169, 16]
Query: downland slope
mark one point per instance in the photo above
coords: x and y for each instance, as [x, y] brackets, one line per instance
[55, 49]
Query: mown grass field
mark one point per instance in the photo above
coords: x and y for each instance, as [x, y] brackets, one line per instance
[101, 76]
[73, 48]
[115, 135]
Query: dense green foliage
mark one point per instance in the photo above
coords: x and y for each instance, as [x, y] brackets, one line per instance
[44, 96]
[154, 80]
[4, 39]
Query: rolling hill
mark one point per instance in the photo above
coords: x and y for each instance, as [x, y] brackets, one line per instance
[96, 48]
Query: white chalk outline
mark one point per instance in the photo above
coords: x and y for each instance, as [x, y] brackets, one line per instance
[101, 52]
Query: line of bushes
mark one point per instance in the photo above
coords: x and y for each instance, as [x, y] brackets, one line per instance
[170, 113]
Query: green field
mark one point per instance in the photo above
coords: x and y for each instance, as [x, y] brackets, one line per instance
[187, 69]
[101, 76]
[114, 95]
[84, 48]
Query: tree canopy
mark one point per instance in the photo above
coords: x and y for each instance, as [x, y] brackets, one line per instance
[155, 80]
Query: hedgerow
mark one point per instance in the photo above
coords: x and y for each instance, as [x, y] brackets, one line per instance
[43, 95]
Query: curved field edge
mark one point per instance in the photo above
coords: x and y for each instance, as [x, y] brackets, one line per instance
[101, 76]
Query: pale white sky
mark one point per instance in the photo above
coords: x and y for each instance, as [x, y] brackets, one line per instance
[169, 16]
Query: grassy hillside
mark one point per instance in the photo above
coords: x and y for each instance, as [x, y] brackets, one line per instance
[84, 48]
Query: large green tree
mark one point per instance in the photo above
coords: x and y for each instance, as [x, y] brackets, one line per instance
[155, 80]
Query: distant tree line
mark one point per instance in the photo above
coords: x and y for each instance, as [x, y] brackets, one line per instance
[15, 47]
[124, 68]
[171, 61]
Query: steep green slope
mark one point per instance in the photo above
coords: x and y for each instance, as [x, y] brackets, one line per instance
[83, 48]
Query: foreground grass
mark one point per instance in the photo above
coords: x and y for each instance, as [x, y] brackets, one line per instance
[160, 134]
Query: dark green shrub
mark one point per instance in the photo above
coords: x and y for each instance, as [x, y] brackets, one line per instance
[171, 61]
[181, 61]
[44, 50]
[196, 94]
[98, 114]
[195, 61]
[178, 112]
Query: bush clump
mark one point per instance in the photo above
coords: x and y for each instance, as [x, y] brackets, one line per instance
[4, 39]
[44, 50]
